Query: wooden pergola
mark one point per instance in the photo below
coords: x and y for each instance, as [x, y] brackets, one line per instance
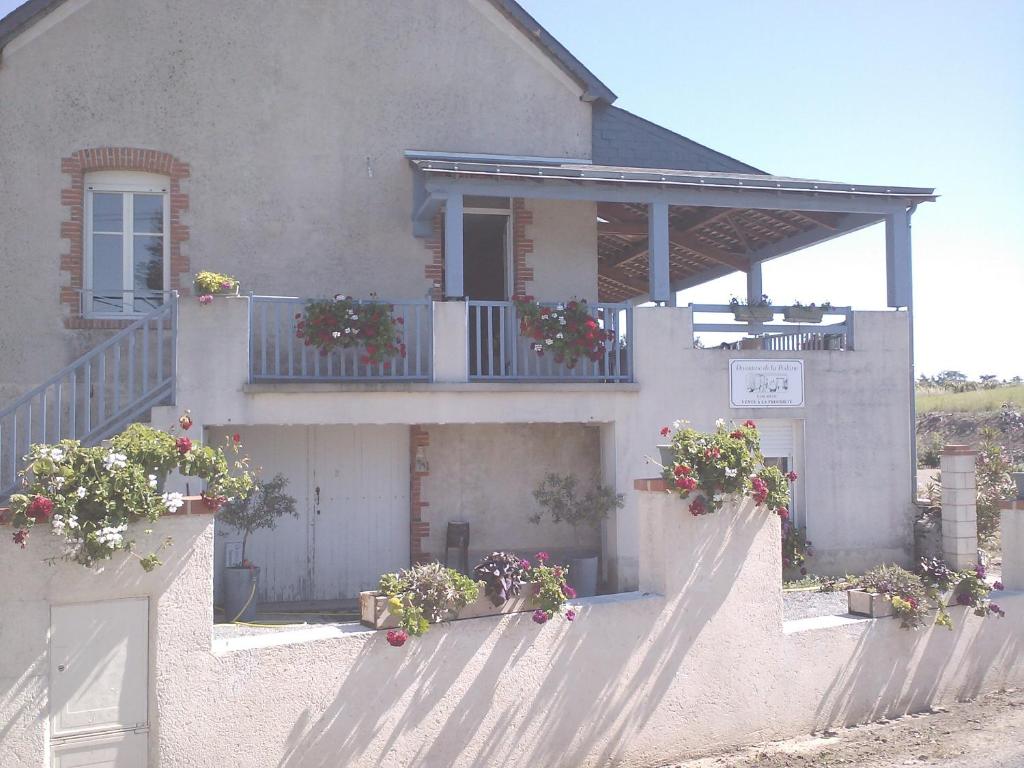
[663, 230]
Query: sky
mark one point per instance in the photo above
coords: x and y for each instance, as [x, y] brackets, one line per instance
[912, 93]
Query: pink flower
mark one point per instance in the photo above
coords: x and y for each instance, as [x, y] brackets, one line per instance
[226, 285]
[697, 507]
[206, 299]
[749, 424]
[542, 557]
[783, 513]
[185, 421]
[183, 444]
[540, 616]
[665, 431]
[397, 637]
[569, 592]
[792, 476]
[570, 615]
[525, 564]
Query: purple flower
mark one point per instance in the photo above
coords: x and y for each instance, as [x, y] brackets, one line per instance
[206, 299]
[540, 616]
[996, 610]
[998, 586]
[525, 564]
[570, 615]
[979, 569]
[569, 592]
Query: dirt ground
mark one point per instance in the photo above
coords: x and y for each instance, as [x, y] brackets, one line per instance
[985, 733]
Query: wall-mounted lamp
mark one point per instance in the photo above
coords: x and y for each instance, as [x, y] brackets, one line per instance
[422, 465]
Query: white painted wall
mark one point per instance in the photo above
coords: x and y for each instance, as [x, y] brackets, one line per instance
[855, 466]
[293, 118]
[486, 474]
[699, 660]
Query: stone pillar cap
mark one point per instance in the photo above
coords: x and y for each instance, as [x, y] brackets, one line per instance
[958, 450]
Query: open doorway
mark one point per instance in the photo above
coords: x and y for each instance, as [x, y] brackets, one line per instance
[487, 278]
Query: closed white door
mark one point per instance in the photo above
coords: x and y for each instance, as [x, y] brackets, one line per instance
[361, 507]
[99, 682]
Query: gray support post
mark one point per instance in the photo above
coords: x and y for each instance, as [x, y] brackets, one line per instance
[755, 283]
[900, 293]
[453, 243]
[657, 247]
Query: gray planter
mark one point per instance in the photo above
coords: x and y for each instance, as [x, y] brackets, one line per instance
[583, 576]
[803, 314]
[746, 313]
[373, 607]
[1018, 477]
[668, 455]
[862, 603]
[240, 593]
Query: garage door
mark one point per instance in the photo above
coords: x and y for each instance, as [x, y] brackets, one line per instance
[351, 485]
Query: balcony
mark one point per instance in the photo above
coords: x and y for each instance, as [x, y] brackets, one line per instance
[834, 334]
[454, 341]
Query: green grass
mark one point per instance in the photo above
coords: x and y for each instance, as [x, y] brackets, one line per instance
[970, 402]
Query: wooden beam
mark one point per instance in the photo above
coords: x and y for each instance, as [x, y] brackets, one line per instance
[816, 218]
[684, 239]
[739, 233]
[621, 277]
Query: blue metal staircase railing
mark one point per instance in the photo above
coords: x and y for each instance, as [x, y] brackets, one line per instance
[97, 395]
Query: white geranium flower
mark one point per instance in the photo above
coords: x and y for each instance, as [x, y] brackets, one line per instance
[173, 501]
[561, 321]
[80, 493]
[340, 297]
[58, 482]
[549, 342]
[679, 424]
[57, 454]
[72, 521]
[355, 317]
[114, 461]
[719, 422]
[152, 481]
[559, 336]
[336, 334]
[731, 472]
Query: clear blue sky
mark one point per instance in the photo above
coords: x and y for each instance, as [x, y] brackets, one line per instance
[915, 92]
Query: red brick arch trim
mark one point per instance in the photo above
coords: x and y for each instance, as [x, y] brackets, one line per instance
[73, 228]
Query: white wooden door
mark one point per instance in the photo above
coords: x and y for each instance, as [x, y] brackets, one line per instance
[361, 507]
[99, 682]
[282, 554]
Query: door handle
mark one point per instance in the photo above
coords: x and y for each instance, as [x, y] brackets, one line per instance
[316, 503]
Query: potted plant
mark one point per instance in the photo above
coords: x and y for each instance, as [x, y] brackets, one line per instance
[556, 495]
[889, 590]
[346, 323]
[811, 313]
[262, 509]
[567, 331]
[759, 311]
[209, 284]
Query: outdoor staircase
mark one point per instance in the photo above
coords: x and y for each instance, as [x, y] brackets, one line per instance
[96, 396]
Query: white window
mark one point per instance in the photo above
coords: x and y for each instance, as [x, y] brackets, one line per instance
[126, 243]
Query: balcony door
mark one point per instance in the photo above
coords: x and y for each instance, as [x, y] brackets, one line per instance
[487, 276]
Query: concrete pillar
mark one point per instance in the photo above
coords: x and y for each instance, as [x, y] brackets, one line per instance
[959, 506]
[450, 330]
[1011, 526]
[657, 251]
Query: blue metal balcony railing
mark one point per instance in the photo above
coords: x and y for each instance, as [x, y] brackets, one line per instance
[276, 354]
[497, 351]
[774, 336]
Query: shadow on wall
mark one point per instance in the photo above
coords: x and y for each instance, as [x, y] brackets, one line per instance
[587, 698]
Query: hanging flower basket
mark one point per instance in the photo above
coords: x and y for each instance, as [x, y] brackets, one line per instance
[345, 323]
[567, 331]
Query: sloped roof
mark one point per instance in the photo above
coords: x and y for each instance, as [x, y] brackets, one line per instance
[32, 11]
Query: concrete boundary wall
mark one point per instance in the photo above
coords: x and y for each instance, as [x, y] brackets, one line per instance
[696, 660]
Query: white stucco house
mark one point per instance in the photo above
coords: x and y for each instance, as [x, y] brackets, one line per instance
[443, 157]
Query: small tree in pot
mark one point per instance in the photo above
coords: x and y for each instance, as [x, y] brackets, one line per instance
[262, 509]
[558, 497]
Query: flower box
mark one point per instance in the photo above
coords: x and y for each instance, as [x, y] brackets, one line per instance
[873, 604]
[374, 613]
[747, 313]
[803, 314]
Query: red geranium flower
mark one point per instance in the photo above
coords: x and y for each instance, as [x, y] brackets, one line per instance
[397, 637]
[183, 444]
[665, 431]
[750, 424]
[39, 509]
[20, 537]
[792, 476]
[185, 421]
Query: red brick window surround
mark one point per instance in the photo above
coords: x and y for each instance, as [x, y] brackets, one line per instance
[522, 249]
[86, 161]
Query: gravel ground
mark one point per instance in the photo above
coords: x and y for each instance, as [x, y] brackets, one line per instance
[806, 605]
[985, 733]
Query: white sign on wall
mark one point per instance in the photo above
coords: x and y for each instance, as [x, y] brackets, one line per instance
[766, 383]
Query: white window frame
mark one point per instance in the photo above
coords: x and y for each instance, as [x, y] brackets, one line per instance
[126, 183]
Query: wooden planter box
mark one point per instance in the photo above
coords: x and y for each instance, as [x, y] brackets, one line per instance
[871, 604]
[374, 613]
[759, 313]
[803, 314]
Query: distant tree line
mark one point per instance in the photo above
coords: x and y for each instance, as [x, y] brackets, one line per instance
[955, 381]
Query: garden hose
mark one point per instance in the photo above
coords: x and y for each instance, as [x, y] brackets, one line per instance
[251, 596]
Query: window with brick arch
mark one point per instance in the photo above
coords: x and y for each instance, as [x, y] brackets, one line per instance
[126, 243]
